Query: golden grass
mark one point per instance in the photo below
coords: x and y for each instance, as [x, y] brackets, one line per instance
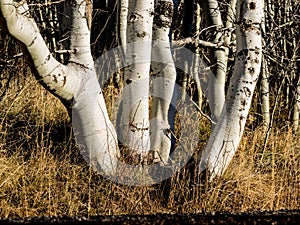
[43, 173]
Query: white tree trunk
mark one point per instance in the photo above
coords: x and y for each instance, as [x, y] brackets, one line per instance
[264, 84]
[265, 89]
[134, 123]
[122, 23]
[164, 77]
[54, 75]
[80, 26]
[76, 80]
[225, 137]
[217, 82]
[296, 110]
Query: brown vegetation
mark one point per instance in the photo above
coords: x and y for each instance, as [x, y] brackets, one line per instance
[43, 173]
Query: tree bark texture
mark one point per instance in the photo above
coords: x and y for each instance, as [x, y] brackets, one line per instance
[217, 82]
[164, 77]
[225, 137]
[134, 123]
[75, 81]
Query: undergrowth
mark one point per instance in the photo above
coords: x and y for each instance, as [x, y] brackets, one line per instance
[42, 172]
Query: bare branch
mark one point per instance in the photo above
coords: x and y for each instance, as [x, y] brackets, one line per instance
[196, 42]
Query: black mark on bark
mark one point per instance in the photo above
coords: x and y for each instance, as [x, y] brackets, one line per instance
[33, 41]
[251, 70]
[252, 5]
[242, 53]
[256, 50]
[243, 105]
[243, 102]
[163, 14]
[55, 78]
[48, 57]
[247, 91]
[65, 80]
[133, 18]
[142, 34]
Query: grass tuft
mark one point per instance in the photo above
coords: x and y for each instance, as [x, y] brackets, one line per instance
[42, 172]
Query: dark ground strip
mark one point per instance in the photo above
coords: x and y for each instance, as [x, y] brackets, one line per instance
[268, 217]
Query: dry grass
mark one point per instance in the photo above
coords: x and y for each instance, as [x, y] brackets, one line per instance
[43, 173]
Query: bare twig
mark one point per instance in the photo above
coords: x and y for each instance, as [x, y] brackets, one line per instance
[197, 42]
[202, 113]
[65, 51]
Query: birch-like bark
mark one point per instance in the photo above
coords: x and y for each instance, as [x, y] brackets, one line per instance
[217, 82]
[77, 80]
[91, 123]
[265, 89]
[264, 85]
[121, 37]
[164, 77]
[294, 75]
[296, 110]
[52, 73]
[122, 23]
[134, 123]
[226, 136]
[80, 27]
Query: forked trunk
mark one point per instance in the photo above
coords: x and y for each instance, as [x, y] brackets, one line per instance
[77, 80]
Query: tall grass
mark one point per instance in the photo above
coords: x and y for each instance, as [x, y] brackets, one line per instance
[42, 171]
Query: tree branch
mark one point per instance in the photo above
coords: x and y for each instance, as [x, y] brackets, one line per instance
[52, 74]
[197, 42]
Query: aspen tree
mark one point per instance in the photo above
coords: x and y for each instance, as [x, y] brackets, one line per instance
[164, 76]
[134, 122]
[75, 82]
[226, 135]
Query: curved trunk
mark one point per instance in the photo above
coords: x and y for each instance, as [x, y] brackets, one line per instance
[53, 74]
[77, 80]
[93, 130]
[225, 138]
[217, 82]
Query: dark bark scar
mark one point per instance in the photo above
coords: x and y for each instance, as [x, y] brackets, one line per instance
[65, 80]
[247, 91]
[55, 78]
[252, 5]
[163, 13]
[142, 34]
[251, 70]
